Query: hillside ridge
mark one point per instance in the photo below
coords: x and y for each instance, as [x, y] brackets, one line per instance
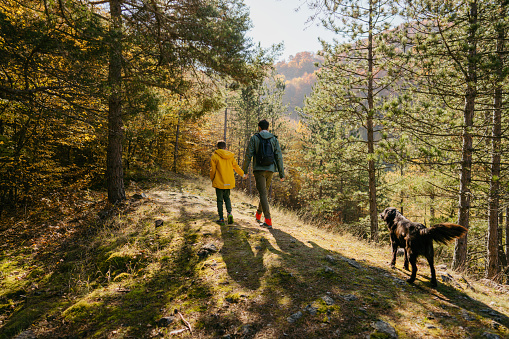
[238, 281]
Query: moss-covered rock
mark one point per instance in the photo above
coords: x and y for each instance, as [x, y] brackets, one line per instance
[118, 263]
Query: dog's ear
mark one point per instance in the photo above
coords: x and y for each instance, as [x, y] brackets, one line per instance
[389, 213]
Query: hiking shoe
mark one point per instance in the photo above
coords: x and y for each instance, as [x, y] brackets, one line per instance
[220, 221]
[267, 223]
[258, 217]
[264, 224]
[230, 218]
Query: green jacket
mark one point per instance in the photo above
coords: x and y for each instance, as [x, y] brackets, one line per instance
[252, 148]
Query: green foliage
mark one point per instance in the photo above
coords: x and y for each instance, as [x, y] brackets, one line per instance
[49, 117]
[54, 90]
[345, 110]
[252, 103]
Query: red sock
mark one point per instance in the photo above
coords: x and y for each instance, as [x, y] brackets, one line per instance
[268, 221]
[258, 216]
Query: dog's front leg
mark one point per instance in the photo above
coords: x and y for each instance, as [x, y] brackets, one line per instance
[413, 262]
[406, 260]
[394, 252]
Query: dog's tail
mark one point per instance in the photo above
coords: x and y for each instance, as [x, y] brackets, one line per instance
[444, 232]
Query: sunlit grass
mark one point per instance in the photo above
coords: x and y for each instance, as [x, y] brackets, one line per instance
[123, 273]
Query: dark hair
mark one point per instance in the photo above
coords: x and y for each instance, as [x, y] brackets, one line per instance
[264, 124]
[221, 144]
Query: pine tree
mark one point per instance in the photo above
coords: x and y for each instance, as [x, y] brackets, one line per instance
[114, 169]
[450, 83]
[353, 81]
[150, 47]
[500, 67]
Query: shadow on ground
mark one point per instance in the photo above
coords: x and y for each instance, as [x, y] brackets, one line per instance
[271, 285]
[304, 275]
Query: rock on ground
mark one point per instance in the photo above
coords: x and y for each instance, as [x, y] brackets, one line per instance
[383, 327]
[294, 317]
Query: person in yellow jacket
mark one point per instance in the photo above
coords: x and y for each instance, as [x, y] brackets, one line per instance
[222, 165]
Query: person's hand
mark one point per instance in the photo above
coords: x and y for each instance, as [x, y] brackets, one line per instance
[282, 179]
[245, 176]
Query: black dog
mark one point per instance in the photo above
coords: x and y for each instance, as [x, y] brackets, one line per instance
[417, 240]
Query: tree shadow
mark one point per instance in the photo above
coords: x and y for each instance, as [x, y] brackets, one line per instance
[450, 293]
[298, 279]
[362, 294]
[111, 308]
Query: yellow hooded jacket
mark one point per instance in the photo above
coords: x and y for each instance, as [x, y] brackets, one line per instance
[222, 165]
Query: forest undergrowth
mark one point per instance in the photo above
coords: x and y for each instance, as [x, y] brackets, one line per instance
[158, 265]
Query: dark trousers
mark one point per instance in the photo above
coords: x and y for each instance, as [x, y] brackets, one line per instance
[223, 195]
[263, 180]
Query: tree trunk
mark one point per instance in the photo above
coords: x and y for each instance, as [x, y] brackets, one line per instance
[502, 262]
[460, 248]
[114, 170]
[176, 151]
[493, 250]
[507, 234]
[432, 207]
[225, 117]
[320, 191]
[493, 266]
[371, 162]
[401, 200]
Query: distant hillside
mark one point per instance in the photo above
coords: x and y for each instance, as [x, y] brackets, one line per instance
[299, 72]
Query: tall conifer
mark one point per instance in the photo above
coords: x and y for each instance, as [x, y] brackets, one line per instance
[352, 83]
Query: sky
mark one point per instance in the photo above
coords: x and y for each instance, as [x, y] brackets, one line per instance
[276, 21]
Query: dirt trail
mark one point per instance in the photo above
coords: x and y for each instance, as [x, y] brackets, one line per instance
[290, 270]
[115, 273]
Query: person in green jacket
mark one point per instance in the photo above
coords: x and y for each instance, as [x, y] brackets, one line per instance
[263, 173]
[222, 165]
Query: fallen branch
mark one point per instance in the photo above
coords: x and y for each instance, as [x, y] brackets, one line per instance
[178, 331]
[184, 320]
[468, 284]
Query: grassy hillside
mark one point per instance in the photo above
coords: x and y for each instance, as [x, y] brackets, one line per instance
[78, 268]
